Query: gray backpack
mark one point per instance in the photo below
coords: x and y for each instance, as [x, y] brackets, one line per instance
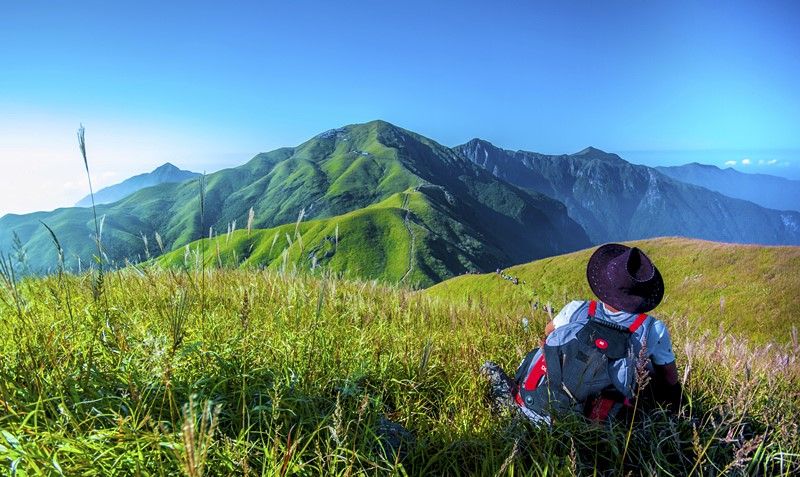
[587, 366]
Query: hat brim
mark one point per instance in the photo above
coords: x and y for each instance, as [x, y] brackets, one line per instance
[609, 293]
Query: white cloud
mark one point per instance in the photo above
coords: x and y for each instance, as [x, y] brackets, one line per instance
[772, 161]
[746, 162]
[761, 161]
[730, 163]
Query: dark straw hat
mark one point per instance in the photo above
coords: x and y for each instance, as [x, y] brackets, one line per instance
[625, 278]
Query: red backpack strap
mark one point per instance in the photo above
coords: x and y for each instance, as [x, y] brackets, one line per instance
[637, 322]
[535, 374]
[634, 326]
[538, 370]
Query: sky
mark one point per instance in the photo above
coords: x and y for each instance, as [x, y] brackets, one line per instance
[206, 85]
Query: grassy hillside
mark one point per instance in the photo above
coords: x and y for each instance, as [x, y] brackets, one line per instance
[419, 237]
[233, 372]
[334, 173]
[747, 289]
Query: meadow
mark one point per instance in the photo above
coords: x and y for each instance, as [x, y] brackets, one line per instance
[150, 371]
[746, 290]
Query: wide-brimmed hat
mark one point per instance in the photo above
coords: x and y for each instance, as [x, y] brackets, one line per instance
[625, 278]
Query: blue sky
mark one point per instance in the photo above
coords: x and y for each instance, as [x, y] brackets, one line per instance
[207, 85]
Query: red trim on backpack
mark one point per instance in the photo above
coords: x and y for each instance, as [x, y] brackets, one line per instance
[637, 323]
[538, 370]
[601, 407]
[634, 326]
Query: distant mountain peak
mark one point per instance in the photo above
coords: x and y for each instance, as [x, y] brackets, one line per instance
[478, 142]
[166, 167]
[594, 153]
[590, 151]
[707, 166]
[165, 173]
[341, 133]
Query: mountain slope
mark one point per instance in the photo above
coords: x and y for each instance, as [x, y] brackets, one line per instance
[615, 200]
[748, 289]
[417, 237]
[334, 173]
[763, 189]
[165, 173]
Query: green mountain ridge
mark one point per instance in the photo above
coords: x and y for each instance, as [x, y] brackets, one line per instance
[472, 208]
[419, 237]
[334, 173]
[412, 238]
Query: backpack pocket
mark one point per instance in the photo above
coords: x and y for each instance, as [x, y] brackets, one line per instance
[584, 370]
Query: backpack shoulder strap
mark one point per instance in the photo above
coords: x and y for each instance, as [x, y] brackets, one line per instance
[637, 322]
[640, 318]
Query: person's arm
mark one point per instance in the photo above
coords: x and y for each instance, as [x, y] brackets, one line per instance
[549, 328]
[667, 386]
[562, 318]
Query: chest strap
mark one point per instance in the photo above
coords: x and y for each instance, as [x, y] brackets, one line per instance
[634, 326]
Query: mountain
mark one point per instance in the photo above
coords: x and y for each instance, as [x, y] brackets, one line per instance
[748, 289]
[473, 220]
[418, 237]
[763, 189]
[406, 209]
[163, 174]
[615, 200]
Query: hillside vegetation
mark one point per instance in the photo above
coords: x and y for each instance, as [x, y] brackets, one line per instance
[745, 289]
[245, 372]
[521, 205]
[331, 174]
[419, 237]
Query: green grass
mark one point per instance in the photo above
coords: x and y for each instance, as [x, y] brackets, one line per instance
[272, 370]
[371, 243]
[416, 237]
[745, 289]
[252, 372]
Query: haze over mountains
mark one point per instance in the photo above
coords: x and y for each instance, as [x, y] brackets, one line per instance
[615, 200]
[163, 174]
[765, 190]
[378, 201]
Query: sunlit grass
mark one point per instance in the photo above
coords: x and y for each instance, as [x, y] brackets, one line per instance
[290, 374]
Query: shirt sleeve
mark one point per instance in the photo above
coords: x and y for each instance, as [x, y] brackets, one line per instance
[660, 344]
[563, 316]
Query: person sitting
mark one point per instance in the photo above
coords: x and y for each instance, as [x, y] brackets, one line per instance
[597, 352]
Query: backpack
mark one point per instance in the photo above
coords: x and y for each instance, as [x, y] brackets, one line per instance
[587, 366]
